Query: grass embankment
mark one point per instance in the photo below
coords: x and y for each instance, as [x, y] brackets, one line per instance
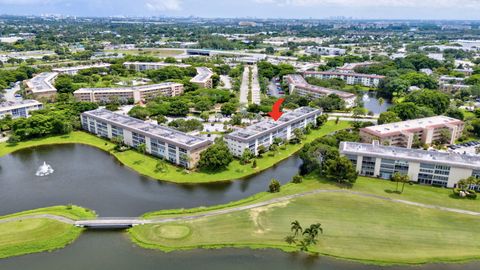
[18, 237]
[358, 228]
[146, 165]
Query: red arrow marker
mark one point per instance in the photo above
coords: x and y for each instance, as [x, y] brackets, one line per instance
[276, 113]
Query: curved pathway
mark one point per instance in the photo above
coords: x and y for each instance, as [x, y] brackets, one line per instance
[139, 221]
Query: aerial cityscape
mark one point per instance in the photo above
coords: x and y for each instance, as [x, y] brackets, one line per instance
[262, 134]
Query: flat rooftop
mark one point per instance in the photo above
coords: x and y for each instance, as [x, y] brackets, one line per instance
[10, 105]
[127, 89]
[337, 73]
[412, 125]
[42, 82]
[64, 69]
[392, 152]
[163, 133]
[269, 125]
[161, 64]
[203, 74]
[299, 81]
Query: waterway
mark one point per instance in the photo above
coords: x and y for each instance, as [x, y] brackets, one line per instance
[91, 178]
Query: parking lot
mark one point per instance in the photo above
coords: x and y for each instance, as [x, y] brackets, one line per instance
[465, 148]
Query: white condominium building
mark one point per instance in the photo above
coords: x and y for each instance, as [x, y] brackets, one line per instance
[349, 78]
[203, 77]
[402, 134]
[325, 50]
[425, 167]
[134, 93]
[263, 133]
[74, 70]
[169, 144]
[141, 66]
[42, 85]
[298, 85]
[19, 108]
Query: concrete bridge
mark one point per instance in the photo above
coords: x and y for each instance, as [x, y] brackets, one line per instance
[110, 223]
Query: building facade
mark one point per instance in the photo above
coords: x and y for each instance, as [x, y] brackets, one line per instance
[316, 50]
[368, 80]
[142, 66]
[135, 93]
[203, 77]
[177, 147]
[41, 86]
[74, 70]
[425, 167]
[404, 134]
[264, 133]
[298, 85]
[19, 109]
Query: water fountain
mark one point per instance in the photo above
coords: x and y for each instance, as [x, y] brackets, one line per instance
[44, 170]
[366, 97]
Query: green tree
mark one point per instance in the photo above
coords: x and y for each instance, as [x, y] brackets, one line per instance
[205, 116]
[341, 170]
[261, 150]
[247, 155]
[216, 158]
[274, 186]
[400, 178]
[296, 228]
[388, 117]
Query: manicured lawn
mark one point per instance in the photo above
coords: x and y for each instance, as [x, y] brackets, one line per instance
[358, 228]
[39, 234]
[146, 165]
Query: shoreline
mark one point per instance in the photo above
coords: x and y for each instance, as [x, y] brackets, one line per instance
[145, 164]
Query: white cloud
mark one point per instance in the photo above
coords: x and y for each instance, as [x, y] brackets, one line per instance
[162, 5]
[375, 3]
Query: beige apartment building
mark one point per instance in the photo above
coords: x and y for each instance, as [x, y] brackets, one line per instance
[135, 93]
[402, 134]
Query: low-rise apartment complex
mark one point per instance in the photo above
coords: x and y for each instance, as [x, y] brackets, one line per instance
[403, 134]
[74, 70]
[264, 132]
[19, 108]
[142, 66]
[203, 77]
[425, 167]
[370, 80]
[41, 86]
[317, 50]
[169, 144]
[298, 85]
[134, 93]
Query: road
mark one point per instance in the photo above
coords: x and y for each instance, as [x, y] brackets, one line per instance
[10, 93]
[244, 86]
[255, 86]
[136, 221]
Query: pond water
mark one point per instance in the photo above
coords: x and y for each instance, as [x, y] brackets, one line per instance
[371, 103]
[91, 178]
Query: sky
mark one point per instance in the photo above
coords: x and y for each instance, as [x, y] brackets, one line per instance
[317, 9]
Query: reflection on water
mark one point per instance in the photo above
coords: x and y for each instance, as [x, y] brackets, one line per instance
[92, 178]
[371, 103]
[113, 250]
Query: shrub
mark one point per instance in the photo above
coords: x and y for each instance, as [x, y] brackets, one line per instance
[297, 179]
[274, 186]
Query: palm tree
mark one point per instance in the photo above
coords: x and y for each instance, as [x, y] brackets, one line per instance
[296, 227]
[290, 239]
[303, 245]
[142, 148]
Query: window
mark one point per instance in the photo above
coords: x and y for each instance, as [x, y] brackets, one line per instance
[137, 139]
[368, 166]
[432, 174]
